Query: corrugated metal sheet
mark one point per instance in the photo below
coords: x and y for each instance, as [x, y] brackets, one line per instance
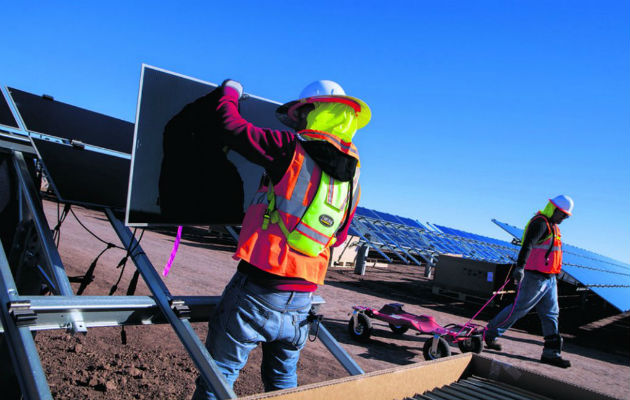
[476, 388]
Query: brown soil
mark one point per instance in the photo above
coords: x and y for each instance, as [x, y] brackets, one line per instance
[154, 365]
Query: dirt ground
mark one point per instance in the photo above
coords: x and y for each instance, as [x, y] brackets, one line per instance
[154, 365]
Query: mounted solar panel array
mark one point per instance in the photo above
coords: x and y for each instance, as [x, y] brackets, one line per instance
[86, 155]
[490, 246]
[608, 278]
[411, 241]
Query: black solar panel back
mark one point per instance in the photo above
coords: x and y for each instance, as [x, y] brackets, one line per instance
[45, 115]
[6, 117]
[84, 177]
[181, 173]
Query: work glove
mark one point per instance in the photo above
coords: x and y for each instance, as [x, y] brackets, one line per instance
[234, 85]
[518, 274]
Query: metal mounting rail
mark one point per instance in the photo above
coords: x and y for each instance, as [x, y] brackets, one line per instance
[51, 312]
[198, 352]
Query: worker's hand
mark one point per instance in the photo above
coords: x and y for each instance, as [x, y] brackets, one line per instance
[518, 274]
[234, 85]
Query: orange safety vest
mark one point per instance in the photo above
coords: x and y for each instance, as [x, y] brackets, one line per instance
[267, 248]
[546, 256]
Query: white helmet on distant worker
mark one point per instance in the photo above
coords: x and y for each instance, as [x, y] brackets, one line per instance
[564, 203]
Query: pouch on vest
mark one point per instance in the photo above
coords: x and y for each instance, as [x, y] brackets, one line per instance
[317, 228]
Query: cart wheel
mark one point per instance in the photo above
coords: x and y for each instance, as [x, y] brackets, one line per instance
[473, 343]
[399, 330]
[363, 329]
[443, 349]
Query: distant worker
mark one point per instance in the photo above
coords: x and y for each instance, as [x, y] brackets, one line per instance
[303, 207]
[539, 261]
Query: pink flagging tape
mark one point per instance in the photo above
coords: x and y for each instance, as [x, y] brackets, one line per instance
[167, 267]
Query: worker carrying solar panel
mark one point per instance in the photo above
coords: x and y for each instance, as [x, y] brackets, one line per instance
[303, 207]
[538, 263]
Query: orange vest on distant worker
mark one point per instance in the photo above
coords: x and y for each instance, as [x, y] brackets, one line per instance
[267, 248]
[546, 256]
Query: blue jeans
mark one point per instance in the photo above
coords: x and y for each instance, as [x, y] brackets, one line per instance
[249, 314]
[536, 291]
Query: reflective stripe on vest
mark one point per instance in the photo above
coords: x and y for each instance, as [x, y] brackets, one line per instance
[344, 147]
[542, 258]
[268, 249]
[323, 217]
[294, 204]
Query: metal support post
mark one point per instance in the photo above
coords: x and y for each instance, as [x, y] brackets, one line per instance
[51, 257]
[198, 352]
[24, 357]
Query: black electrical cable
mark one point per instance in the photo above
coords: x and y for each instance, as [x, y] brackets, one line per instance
[92, 233]
[89, 274]
[60, 219]
[123, 261]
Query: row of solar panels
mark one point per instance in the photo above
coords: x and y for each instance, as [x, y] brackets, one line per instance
[608, 278]
[410, 240]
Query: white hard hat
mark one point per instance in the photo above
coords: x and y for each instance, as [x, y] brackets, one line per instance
[564, 203]
[323, 91]
[322, 88]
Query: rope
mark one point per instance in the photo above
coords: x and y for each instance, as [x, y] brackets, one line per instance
[507, 280]
[169, 263]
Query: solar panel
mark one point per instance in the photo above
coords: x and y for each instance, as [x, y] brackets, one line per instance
[6, 116]
[219, 187]
[492, 249]
[409, 239]
[45, 115]
[608, 278]
[79, 149]
[84, 177]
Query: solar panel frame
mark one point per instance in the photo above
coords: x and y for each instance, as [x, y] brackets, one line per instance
[55, 118]
[154, 112]
[84, 178]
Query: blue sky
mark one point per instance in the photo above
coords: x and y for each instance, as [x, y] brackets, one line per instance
[480, 109]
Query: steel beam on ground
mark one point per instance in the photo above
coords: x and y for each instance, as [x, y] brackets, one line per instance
[22, 349]
[198, 352]
[335, 348]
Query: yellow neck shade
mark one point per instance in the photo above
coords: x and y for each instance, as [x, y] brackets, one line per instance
[335, 118]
